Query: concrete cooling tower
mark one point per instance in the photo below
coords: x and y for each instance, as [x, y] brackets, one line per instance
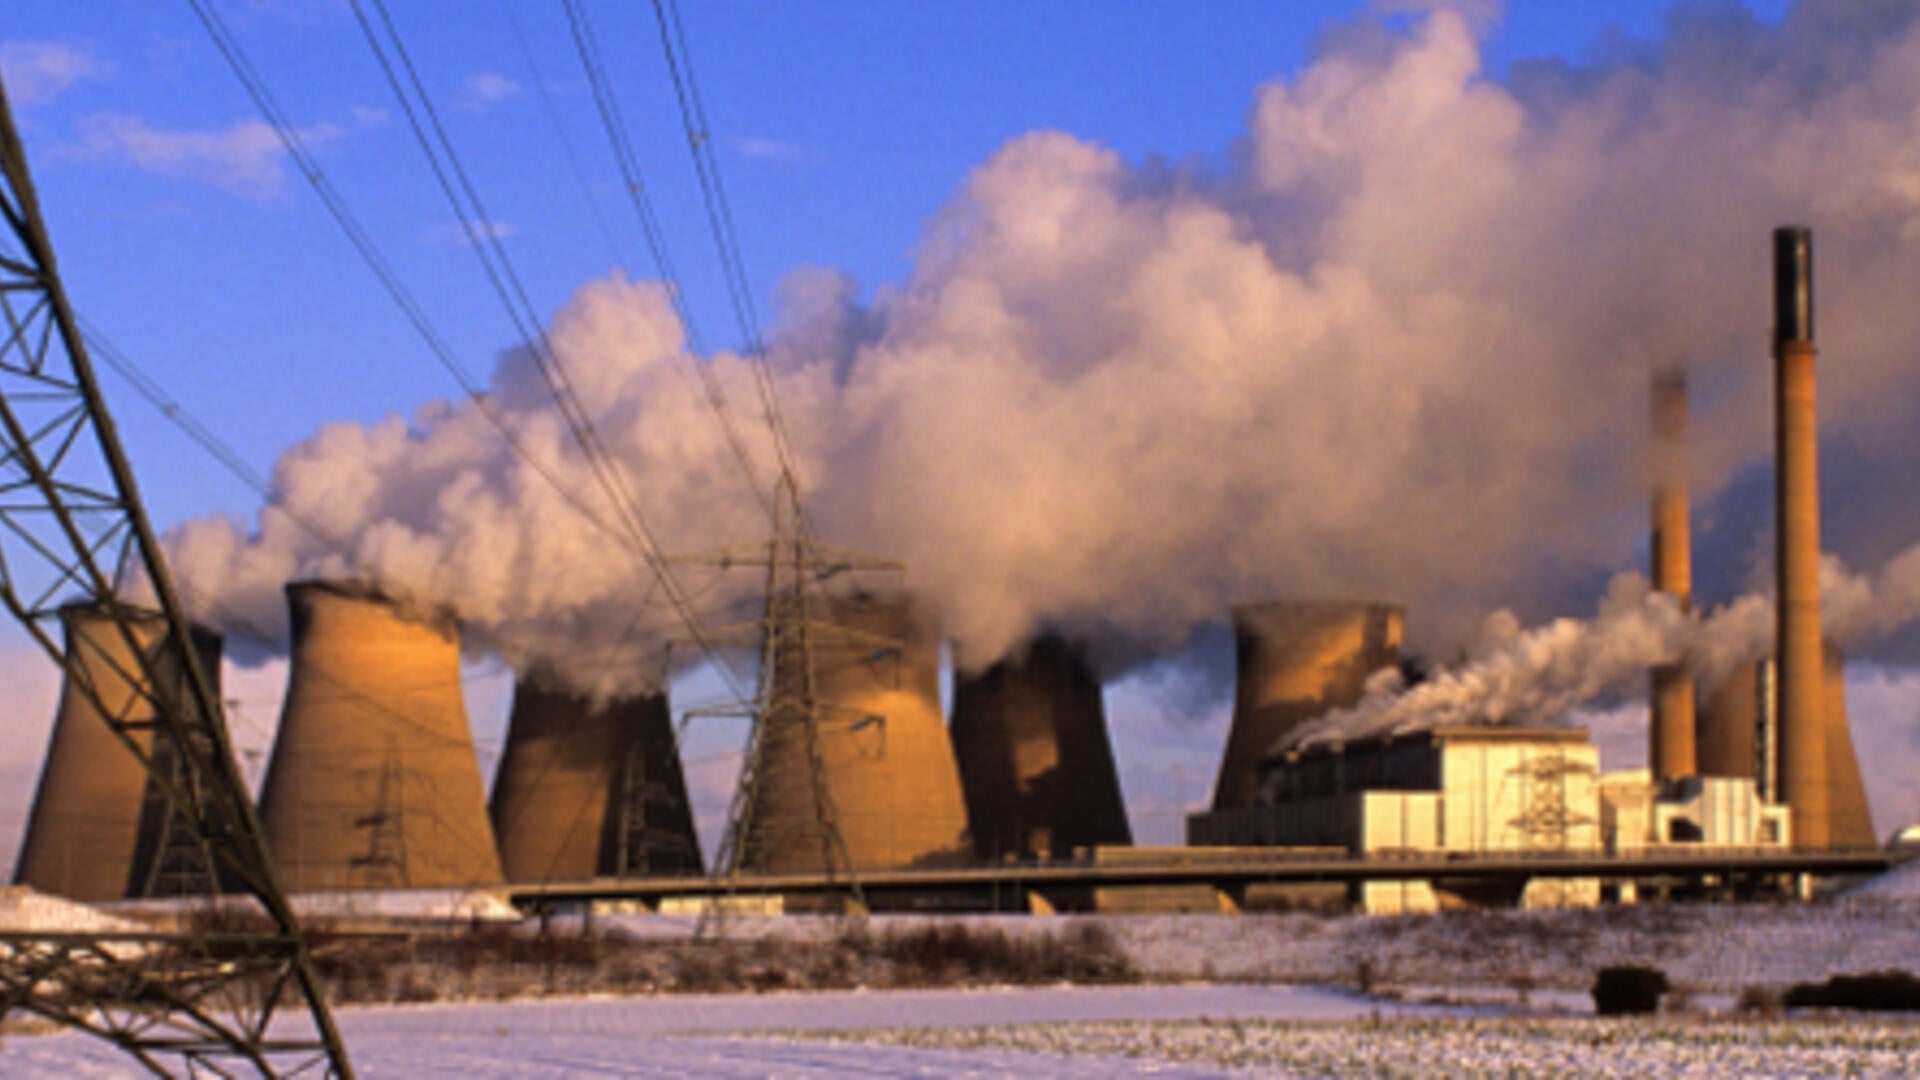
[95, 830]
[586, 791]
[1297, 660]
[1035, 762]
[1739, 737]
[887, 763]
[373, 781]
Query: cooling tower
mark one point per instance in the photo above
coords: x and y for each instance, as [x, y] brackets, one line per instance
[887, 763]
[1296, 661]
[373, 781]
[97, 824]
[1804, 774]
[1035, 763]
[1670, 743]
[1852, 820]
[1733, 743]
[1730, 720]
[586, 791]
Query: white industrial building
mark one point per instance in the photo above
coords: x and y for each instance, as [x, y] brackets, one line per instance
[1481, 789]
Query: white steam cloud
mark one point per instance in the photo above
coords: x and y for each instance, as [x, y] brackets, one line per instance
[1396, 345]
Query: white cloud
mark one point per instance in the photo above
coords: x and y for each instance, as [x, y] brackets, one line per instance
[487, 89]
[245, 158]
[38, 71]
[452, 232]
[762, 148]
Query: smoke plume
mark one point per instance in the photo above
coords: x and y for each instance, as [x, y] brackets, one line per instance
[1392, 343]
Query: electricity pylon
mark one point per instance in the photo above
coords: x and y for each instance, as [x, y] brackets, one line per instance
[786, 699]
[72, 528]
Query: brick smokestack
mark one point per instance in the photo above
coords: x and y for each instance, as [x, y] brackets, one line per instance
[1670, 751]
[1804, 779]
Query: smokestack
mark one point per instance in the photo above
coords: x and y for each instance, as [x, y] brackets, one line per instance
[1296, 661]
[1804, 773]
[95, 830]
[587, 791]
[887, 763]
[1035, 762]
[373, 781]
[1670, 750]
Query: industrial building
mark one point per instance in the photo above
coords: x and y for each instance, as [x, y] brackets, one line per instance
[588, 790]
[373, 781]
[96, 828]
[1036, 765]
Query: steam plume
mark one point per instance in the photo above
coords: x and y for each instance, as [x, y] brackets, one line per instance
[1375, 351]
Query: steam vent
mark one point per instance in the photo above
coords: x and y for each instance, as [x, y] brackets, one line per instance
[887, 763]
[94, 831]
[373, 782]
[1296, 661]
[1035, 761]
[586, 791]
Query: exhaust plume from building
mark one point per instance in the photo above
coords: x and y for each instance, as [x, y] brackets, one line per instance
[1036, 764]
[590, 791]
[1670, 749]
[374, 782]
[95, 830]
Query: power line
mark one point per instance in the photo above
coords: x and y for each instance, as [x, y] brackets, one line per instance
[456, 185]
[607, 105]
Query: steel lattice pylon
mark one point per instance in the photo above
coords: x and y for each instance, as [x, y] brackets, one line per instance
[785, 696]
[72, 529]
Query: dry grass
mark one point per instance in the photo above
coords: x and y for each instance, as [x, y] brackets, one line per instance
[500, 963]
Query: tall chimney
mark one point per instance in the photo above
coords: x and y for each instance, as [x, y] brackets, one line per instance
[1804, 779]
[1670, 750]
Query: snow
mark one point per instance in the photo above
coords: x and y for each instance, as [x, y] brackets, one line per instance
[641, 1037]
[1900, 883]
[24, 910]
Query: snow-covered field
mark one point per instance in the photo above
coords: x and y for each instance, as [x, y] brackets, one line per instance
[1263, 996]
[711, 1035]
[1184, 1031]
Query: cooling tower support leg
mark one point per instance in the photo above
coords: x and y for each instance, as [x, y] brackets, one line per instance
[71, 526]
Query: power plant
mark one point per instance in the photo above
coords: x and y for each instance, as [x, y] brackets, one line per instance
[590, 790]
[1296, 661]
[97, 827]
[1036, 765]
[373, 781]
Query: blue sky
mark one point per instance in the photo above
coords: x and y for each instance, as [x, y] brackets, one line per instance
[841, 128]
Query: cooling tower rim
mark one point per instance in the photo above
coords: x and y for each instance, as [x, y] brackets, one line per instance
[78, 612]
[440, 619]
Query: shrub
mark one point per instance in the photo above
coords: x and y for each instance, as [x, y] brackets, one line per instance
[1878, 991]
[1628, 991]
[1757, 1001]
